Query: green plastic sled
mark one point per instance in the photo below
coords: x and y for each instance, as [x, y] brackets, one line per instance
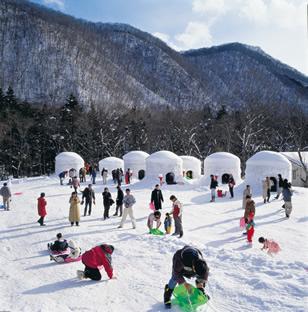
[157, 232]
[191, 303]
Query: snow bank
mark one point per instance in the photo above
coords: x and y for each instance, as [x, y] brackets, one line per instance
[135, 160]
[192, 164]
[68, 160]
[111, 163]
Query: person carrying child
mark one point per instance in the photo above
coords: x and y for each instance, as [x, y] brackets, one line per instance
[74, 255]
[94, 260]
[270, 244]
[250, 227]
[59, 245]
[168, 223]
[154, 216]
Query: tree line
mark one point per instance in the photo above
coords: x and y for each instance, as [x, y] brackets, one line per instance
[31, 135]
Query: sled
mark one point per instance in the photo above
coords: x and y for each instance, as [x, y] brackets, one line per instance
[67, 260]
[1, 207]
[151, 206]
[54, 252]
[157, 232]
[242, 222]
[17, 193]
[188, 302]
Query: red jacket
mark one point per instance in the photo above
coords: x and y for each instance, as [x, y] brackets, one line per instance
[96, 258]
[41, 206]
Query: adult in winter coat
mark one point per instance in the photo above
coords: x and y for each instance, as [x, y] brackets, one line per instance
[119, 176]
[280, 183]
[106, 201]
[119, 202]
[187, 262]
[213, 186]
[93, 176]
[266, 188]
[6, 194]
[41, 207]
[104, 175]
[74, 215]
[231, 184]
[62, 176]
[246, 192]
[157, 197]
[177, 211]
[250, 207]
[129, 201]
[89, 195]
[94, 260]
[75, 183]
[287, 193]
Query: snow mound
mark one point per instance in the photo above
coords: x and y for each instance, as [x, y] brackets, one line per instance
[111, 163]
[193, 164]
[68, 160]
[135, 160]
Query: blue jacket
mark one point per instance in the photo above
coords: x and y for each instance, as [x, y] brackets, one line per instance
[286, 193]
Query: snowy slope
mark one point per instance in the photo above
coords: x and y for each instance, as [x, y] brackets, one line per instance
[240, 279]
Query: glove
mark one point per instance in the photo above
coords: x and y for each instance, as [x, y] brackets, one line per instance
[94, 202]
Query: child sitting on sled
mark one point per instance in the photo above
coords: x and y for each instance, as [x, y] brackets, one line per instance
[250, 227]
[74, 255]
[59, 246]
[270, 244]
[154, 216]
[168, 223]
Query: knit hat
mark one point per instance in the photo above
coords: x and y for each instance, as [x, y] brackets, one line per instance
[251, 216]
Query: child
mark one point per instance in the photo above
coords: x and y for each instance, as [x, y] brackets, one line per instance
[59, 245]
[74, 254]
[41, 207]
[250, 227]
[270, 244]
[154, 216]
[94, 260]
[168, 223]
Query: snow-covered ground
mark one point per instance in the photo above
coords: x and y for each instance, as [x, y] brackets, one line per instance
[241, 279]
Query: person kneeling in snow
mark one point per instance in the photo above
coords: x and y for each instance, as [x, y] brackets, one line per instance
[187, 262]
[94, 260]
[74, 255]
[155, 216]
[59, 245]
[270, 244]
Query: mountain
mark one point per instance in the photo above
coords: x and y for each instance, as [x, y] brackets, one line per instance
[46, 55]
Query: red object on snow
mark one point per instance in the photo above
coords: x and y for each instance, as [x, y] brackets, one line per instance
[17, 193]
[126, 178]
[242, 222]
[152, 206]
[161, 181]
[219, 193]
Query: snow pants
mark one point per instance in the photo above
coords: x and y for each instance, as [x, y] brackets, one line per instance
[250, 234]
[178, 225]
[128, 211]
[106, 211]
[93, 274]
[288, 208]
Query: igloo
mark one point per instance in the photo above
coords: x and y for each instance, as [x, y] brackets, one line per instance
[68, 160]
[192, 167]
[164, 163]
[135, 160]
[111, 163]
[222, 164]
[267, 164]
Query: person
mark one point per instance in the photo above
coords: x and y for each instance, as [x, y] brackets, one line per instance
[72, 173]
[87, 166]
[287, 193]
[157, 197]
[114, 176]
[6, 194]
[128, 176]
[250, 227]
[121, 173]
[104, 175]
[266, 187]
[93, 175]
[231, 184]
[74, 254]
[270, 244]
[250, 208]
[154, 216]
[81, 174]
[213, 186]
[89, 195]
[94, 260]
[177, 211]
[129, 201]
[84, 174]
[106, 200]
[74, 215]
[119, 176]
[187, 262]
[280, 188]
[246, 192]
[75, 183]
[168, 223]
[62, 176]
[59, 245]
[119, 202]
[41, 207]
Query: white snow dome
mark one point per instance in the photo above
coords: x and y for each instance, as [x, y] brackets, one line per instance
[135, 161]
[164, 163]
[192, 167]
[222, 164]
[111, 163]
[267, 164]
[68, 160]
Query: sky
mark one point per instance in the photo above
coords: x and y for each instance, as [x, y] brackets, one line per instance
[279, 27]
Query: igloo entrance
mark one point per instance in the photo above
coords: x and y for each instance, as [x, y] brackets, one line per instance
[170, 178]
[189, 174]
[141, 174]
[225, 178]
[273, 184]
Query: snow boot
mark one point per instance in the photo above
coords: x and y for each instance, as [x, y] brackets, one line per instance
[213, 199]
[181, 235]
[167, 297]
[80, 275]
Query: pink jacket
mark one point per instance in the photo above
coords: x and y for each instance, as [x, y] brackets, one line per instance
[151, 220]
[76, 183]
[272, 246]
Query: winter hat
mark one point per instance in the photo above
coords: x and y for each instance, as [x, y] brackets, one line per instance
[108, 248]
[200, 267]
[42, 194]
[261, 240]
[251, 216]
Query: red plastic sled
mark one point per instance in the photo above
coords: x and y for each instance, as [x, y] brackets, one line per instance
[58, 253]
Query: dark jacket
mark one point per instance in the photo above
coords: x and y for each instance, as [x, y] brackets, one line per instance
[250, 207]
[182, 264]
[62, 174]
[120, 196]
[106, 198]
[280, 182]
[88, 194]
[214, 183]
[157, 198]
[59, 245]
[286, 193]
